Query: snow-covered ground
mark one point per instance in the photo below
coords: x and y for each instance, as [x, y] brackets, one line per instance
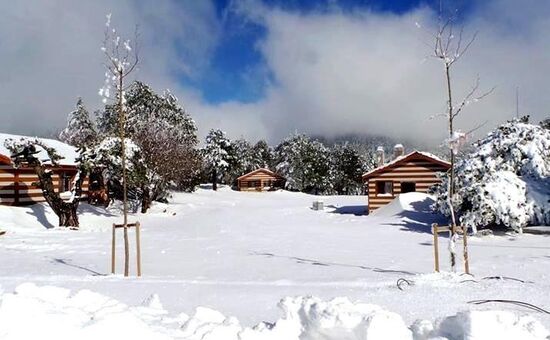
[219, 257]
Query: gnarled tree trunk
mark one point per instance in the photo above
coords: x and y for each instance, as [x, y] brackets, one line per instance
[146, 200]
[65, 210]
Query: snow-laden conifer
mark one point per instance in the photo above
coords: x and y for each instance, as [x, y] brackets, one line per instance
[505, 180]
[80, 130]
[217, 155]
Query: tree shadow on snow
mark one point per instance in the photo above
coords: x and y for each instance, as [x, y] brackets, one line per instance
[39, 212]
[420, 219]
[301, 260]
[94, 210]
[67, 263]
[357, 210]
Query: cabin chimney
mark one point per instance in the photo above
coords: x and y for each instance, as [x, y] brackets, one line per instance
[398, 151]
[380, 156]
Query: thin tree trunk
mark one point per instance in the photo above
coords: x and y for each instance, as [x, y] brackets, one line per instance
[122, 120]
[452, 238]
[214, 180]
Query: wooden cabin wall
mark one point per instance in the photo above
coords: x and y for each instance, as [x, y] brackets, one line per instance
[421, 172]
[260, 176]
[16, 185]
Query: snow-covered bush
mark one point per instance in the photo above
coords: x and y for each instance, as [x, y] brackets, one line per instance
[505, 180]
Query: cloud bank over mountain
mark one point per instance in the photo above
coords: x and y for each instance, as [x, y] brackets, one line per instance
[329, 71]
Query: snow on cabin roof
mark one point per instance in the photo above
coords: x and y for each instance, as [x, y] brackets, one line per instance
[66, 151]
[423, 154]
[260, 170]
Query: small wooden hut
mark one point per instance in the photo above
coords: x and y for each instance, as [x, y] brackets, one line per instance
[18, 186]
[260, 180]
[414, 172]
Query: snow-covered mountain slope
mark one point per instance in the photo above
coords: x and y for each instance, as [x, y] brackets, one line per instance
[240, 253]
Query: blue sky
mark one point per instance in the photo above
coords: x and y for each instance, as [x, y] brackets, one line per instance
[237, 70]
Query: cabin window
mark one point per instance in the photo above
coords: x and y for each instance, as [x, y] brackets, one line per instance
[253, 184]
[384, 188]
[408, 187]
[65, 182]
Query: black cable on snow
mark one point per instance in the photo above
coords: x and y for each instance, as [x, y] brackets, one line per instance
[514, 302]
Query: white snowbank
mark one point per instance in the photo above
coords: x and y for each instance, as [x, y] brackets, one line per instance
[411, 201]
[481, 325]
[33, 312]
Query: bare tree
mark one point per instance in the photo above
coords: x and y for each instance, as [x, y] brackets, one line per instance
[449, 46]
[122, 57]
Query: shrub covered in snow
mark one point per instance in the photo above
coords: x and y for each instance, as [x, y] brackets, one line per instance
[505, 180]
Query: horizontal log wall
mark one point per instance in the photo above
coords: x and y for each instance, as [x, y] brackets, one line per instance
[421, 172]
[259, 176]
[19, 186]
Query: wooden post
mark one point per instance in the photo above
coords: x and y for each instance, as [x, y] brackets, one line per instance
[435, 231]
[465, 249]
[125, 227]
[138, 249]
[113, 245]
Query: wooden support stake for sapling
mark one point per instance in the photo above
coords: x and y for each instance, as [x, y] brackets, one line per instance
[436, 229]
[113, 246]
[137, 225]
[465, 249]
[138, 249]
[436, 246]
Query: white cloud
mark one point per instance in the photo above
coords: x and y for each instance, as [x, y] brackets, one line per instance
[338, 72]
[333, 71]
[50, 53]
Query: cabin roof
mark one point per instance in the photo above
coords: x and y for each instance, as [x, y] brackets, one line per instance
[413, 155]
[269, 172]
[66, 151]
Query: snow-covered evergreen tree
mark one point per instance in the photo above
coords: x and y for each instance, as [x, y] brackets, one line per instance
[305, 164]
[262, 155]
[80, 131]
[505, 181]
[166, 140]
[240, 160]
[347, 169]
[217, 155]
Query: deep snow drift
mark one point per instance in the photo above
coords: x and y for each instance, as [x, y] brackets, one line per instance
[234, 255]
[55, 313]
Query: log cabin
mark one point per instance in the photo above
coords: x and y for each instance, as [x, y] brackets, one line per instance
[261, 179]
[18, 186]
[413, 172]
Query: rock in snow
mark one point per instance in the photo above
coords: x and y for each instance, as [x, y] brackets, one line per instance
[33, 312]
